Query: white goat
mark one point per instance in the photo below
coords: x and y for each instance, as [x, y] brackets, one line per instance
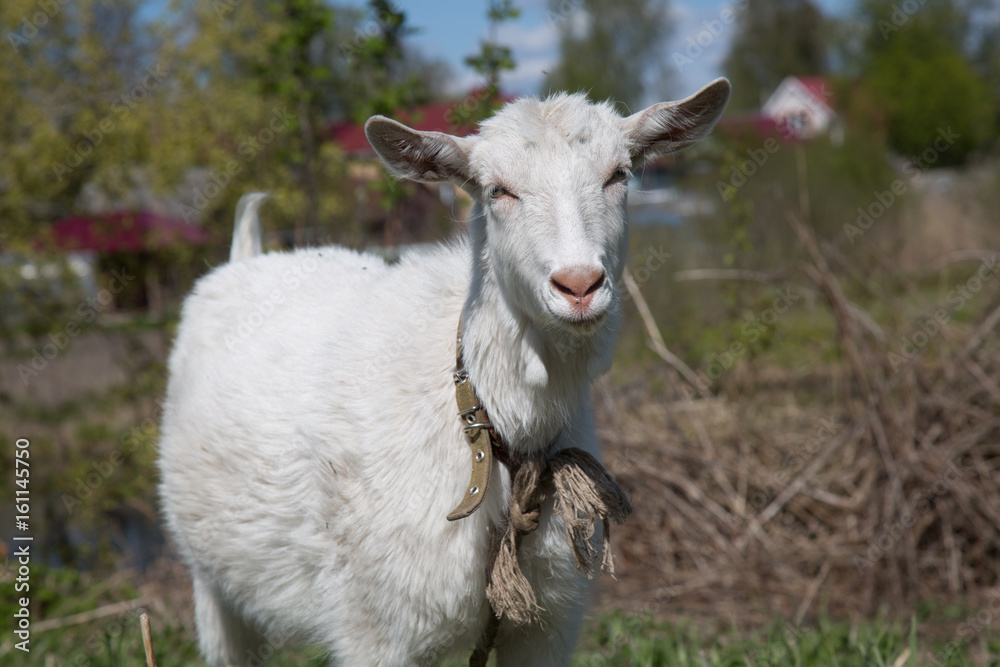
[310, 446]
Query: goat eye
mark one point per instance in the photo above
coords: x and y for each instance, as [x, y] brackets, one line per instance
[498, 191]
[620, 175]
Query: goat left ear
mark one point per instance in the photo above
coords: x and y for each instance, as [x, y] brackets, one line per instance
[431, 157]
[668, 127]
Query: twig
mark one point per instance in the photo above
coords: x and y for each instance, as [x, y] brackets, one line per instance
[848, 331]
[989, 385]
[961, 256]
[659, 346]
[814, 586]
[87, 616]
[988, 325]
[147, 640]
[807, 473]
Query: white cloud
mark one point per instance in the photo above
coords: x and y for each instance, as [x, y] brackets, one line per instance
[529, 40]
[527, 78]
[535, 49]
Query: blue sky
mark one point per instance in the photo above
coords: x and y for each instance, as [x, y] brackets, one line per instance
[451, 30]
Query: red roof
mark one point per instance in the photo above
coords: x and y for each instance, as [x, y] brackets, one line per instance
[450, 117]
[125, 231]
[818, 87]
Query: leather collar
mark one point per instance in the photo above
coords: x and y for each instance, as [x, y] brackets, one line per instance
[484, 442]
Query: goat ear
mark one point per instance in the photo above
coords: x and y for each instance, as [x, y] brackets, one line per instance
[431, 157]
[668, 127]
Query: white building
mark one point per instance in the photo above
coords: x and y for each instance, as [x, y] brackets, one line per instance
[801, 107]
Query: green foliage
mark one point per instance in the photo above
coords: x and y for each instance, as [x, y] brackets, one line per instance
[383, 82]
[925, 85]
[71, 74]
[492, 60]
[774, 39]
[608, 47]
[923, 68]
[197, 105]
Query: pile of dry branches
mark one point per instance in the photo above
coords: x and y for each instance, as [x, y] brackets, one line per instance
[888, 494]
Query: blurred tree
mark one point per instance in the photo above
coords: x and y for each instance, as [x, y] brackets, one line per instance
[986, 61]
[918, 65]
[268, 78]
[76, 79]
[293, 67]
[386, 76]
[611, 49]
[111, 104]
[774, 39]
[493, 59]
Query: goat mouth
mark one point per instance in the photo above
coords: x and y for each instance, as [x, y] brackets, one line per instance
[584, 323]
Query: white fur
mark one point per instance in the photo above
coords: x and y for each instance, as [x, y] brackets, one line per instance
[311, 447]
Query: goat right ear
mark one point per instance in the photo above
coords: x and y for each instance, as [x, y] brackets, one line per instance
[669, 127]
[431, 157]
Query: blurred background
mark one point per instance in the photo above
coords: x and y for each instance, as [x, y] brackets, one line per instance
[805, 402]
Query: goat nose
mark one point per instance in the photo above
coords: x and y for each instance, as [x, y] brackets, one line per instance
[577, 284]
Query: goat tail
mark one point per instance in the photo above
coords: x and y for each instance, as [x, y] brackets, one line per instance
[246, 229]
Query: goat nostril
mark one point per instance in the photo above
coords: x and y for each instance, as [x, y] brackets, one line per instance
[597, 285]
[578, 283]
[562, 288]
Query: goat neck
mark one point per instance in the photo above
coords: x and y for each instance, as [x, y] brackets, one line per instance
[531, 378]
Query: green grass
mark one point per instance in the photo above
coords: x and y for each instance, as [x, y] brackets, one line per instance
[618, 639]
[609, 640]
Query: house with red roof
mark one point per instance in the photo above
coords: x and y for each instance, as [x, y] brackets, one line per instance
[801, 107]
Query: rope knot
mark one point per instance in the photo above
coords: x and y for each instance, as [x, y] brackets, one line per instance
[523, 521]
[584, 493]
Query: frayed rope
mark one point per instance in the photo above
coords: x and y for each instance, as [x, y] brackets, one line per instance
[584, 493]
